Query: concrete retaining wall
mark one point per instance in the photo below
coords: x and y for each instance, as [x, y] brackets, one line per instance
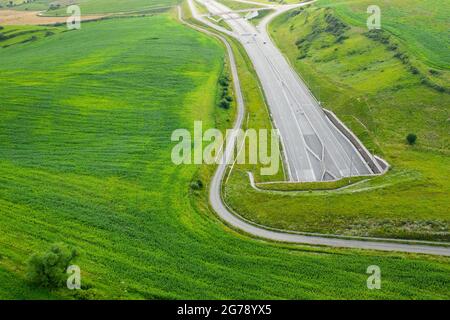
[371, 161]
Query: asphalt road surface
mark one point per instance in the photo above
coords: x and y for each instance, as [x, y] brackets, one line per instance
[314, 149]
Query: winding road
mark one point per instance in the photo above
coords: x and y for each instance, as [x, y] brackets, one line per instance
[235, 221]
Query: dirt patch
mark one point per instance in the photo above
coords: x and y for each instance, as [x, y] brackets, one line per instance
[13, 17]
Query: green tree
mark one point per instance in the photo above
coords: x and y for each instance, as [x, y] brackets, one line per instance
[48, 270]
[411, 139]
[224, 104]
[197, 185]
[224, 81]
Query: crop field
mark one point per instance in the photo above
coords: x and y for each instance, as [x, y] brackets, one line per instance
[85, 160]
[109, 6]
[90, 6]
[37, 5]
[12, 35]
[382, 96]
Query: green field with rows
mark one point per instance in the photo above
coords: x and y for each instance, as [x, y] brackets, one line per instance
[88, 6]
[85, 160]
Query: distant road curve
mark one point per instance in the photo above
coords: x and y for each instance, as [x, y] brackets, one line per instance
[262, 4]
[216, 201]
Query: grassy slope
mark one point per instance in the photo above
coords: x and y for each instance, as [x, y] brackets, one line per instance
[382, 101]
[408, 20]
[85, 159]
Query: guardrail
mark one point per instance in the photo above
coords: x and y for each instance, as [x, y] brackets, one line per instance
[367, 156]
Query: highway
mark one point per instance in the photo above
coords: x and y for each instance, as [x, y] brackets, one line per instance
[314, 149]
[237, 222]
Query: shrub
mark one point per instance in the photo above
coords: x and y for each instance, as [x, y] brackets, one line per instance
[224, 81]
[403, 57]
[434, 72]
[341, 38]
[224, 104]
[414, 70]
[197, 185]
[392, 47]
[48, 270]
[90, 294]
[295, 12]
[300, 41]
[54, 6]
[378, 35]
[411, 138]
[335, 26]
[224, 92]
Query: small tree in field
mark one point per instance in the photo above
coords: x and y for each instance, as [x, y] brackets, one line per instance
[224, 104]
[411, 139]
[48, 270]
[197, 185]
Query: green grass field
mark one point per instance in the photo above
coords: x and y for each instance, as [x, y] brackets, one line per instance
[37, 5]
[12, 35]
[422, 25]
[381, 100]
[91, 6]
[110, 6]
[85, 160]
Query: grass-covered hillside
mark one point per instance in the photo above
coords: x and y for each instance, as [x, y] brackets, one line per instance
[384, 85]
[421, 25]
[85, 160]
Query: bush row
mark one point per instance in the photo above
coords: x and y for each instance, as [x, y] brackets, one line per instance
[225, 98]
[332, 26]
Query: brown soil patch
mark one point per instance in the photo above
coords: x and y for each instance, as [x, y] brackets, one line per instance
[13, 17]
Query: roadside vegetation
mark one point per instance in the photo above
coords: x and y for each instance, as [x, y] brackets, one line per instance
[85, 161]
[311, 186]
[225, 100]
[235, 5]
[383, 89]
[261, 15]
